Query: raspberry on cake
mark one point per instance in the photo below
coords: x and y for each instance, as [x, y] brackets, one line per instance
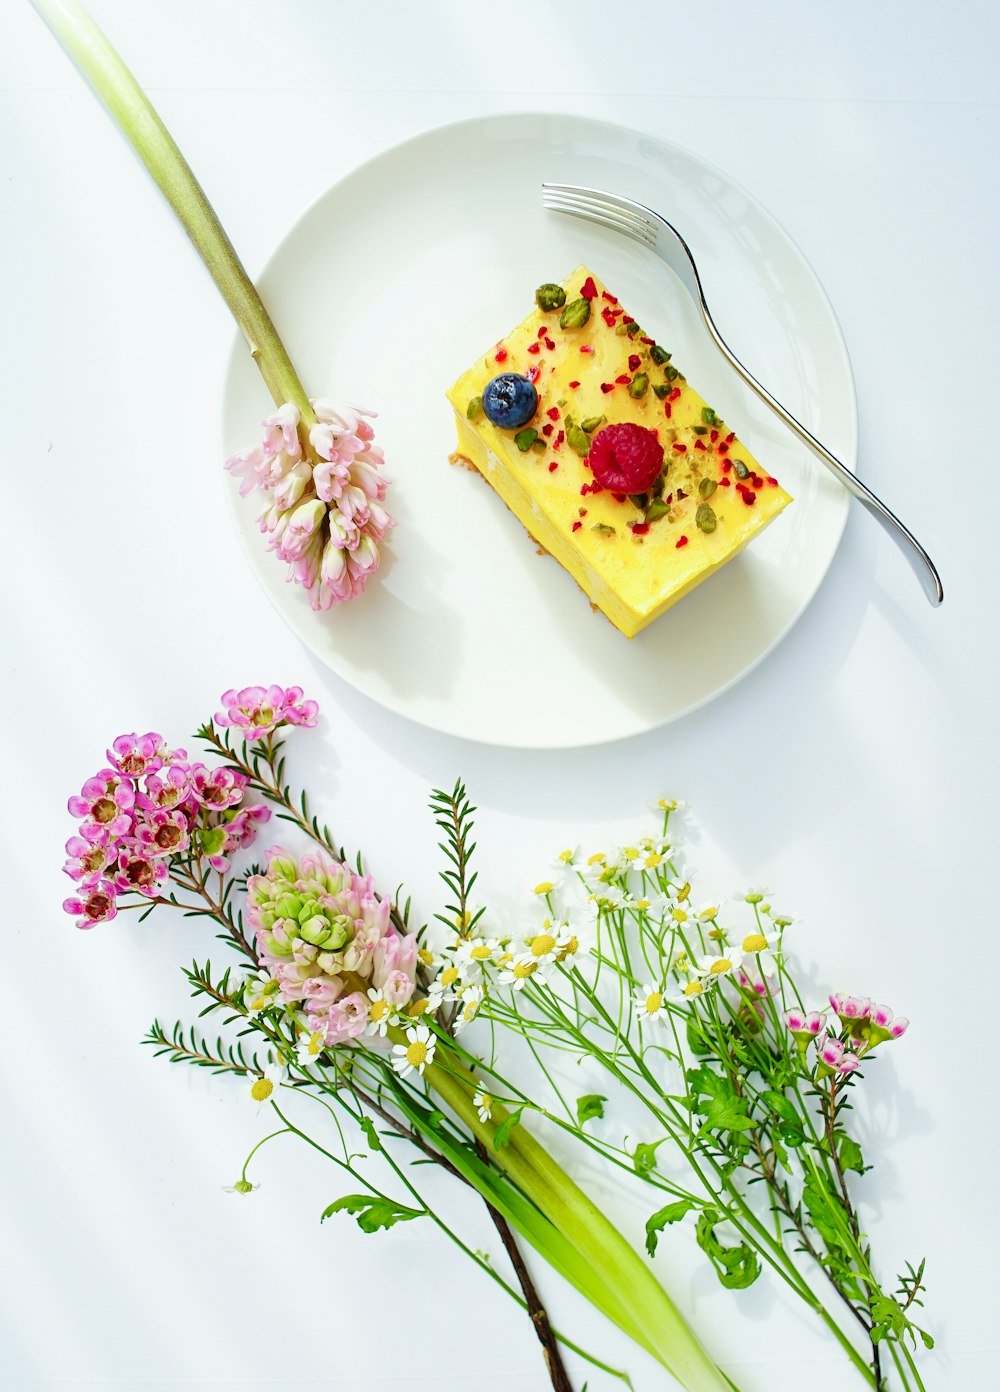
[613, 463]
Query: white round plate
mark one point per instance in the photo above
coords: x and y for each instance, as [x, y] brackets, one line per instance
[404, 273]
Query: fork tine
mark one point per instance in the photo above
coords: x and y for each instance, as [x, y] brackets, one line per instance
[639, 232]
[599, 198]
[601, 220]
[596, 205]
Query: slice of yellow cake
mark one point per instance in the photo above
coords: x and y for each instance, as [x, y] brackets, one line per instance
[613, 463]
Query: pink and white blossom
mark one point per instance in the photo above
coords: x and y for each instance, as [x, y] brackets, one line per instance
[104, 803]
[88, 857]
[217, 788]
[324, 516]
[97, 905]
[806, 1026]
[133, 755]
[257, 711]
[850, 1008]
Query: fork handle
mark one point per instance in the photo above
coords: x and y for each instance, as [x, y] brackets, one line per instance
[922, 565]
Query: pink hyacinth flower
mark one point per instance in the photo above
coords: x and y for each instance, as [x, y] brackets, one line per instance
[218, 788]
[104, 803]
[97, 906]
[325, 503]
[347, 1018]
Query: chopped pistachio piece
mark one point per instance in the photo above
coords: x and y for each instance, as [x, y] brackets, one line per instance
[603, 529]
[524, 439]
[661, 389]
[591, 424]
[657, 509]
[659, 355]
[638, 386]
[706, 487]
[709, 416]
[577, 438]
[705, 517]
[575, 315]
[740, 469]
[474, 409]
[550, 296]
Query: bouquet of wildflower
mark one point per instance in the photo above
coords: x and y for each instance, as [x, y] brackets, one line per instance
[698, 1022]
[333, 998]
[317, 466]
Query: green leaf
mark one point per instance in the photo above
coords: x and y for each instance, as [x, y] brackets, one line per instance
[372, 1213]
[501, 1136]
[736, 1267]
[644, 1156]
[825, 1213]
[779, 1104]
[850, 1155]
[592, 1105]
[927, 1339]
[673, 1213]
[724, 1110]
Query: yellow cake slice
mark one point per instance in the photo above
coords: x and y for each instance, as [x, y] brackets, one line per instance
[635, 544]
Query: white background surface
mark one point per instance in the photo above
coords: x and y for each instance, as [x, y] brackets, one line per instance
[852, 773]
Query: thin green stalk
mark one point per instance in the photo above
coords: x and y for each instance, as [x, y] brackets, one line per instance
[131, 109]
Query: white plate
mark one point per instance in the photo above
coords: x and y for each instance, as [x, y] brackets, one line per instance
[407, 270]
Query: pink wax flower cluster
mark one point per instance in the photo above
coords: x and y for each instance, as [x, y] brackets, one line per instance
[863, 1026]
[324, 515]
[321, 929]
[258, 711]
[149, 806]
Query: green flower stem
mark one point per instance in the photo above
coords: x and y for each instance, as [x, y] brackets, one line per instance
[630, 1295]
[125, 100]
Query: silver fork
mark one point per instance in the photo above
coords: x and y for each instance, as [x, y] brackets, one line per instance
[640, 223]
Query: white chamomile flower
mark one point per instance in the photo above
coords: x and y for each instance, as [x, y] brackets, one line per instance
[608, 898]
[720, 965]
[649, 1003]
[309, 1047]
[262, 991]
[669, 805]
[473, 954]
[543, 946]
[652, 905]
[707, 912]
[381, 1013]
[445, 986]
[484, 1102]
[567, 859]
[425, 957]
[756, 949]
[263, 1088]
[237, 976]
[522, 970]
[471, 999]
[242, 1186]
[689, 991]
[682, 964]
[416, 1053]
[568, 946]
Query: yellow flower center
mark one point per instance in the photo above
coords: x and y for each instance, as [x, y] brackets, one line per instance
[315, 1045]
[684, 893]
[720, 966]
[653, 860]
[653, 1002]
[544, 888]
[573, 945]
[416, 1054]
[693, 988]
[597, 859]
[425, 957]
[463, 920]
[470, 1010]
[480, 953]
[449, 976]
[642, 904]
[756, 942]
[566, 857]
[681, 963]
[630, 853]
[678, 915]
[416, 1008]
[378, 1009]
[262, 1089]
[260, 1002]
[485, 1103]
[522, 970]
[542, 944]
